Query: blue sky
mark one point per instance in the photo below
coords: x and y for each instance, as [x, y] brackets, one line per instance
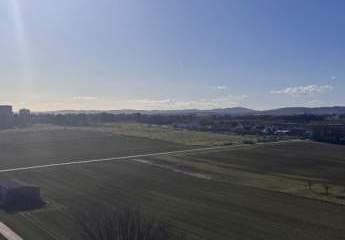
[172, 54]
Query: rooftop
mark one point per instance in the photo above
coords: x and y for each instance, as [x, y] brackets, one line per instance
[11, 184]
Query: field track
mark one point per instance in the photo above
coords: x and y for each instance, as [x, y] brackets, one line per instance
[203, 149]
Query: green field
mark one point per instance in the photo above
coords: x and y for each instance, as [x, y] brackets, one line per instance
[171, 134]
[241, 192]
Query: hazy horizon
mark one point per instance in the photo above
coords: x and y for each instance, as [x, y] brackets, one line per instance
[182, 109]
[168, 55]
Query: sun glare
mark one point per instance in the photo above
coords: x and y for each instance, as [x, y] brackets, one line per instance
[22, 42]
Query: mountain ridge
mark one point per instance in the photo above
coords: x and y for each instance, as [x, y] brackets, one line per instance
[236, 111]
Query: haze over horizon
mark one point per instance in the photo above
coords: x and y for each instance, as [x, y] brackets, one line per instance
[164, 55]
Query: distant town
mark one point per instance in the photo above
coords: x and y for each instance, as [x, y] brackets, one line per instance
[9, 119]
[320, 125]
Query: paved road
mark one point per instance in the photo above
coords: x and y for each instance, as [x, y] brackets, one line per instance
[8, 233]
[204, 149]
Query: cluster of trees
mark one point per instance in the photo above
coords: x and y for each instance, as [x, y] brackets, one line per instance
[81, 119]
[326, 187]
[84, 119]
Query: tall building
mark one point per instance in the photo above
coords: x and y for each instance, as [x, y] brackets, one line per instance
[6, 117]
[24, 117]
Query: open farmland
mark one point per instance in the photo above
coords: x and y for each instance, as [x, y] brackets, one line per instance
[242, 192]
[53, 145]
[284, 167]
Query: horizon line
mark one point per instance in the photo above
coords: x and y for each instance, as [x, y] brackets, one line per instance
[186, 109]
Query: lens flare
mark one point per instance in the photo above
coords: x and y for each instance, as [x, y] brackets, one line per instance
[25, 68]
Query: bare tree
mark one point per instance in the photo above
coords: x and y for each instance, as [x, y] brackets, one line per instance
[309, 185]
[326, 189]
[121, 224]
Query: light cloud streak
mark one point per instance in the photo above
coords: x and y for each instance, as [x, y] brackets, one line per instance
[101, 103]
[84, 98]
[222, 87]
[172, 104]
[300, 91]
[22, 42]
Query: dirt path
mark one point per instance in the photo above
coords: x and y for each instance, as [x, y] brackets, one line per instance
[174, 169]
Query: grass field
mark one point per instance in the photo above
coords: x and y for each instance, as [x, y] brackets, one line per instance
[171, 134]
[53, 145]
[243, 192]
[285, 167]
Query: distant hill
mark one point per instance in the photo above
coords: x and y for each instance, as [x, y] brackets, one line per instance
[303, 110]
[232, 111]
[235, 111]
[221, 111]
